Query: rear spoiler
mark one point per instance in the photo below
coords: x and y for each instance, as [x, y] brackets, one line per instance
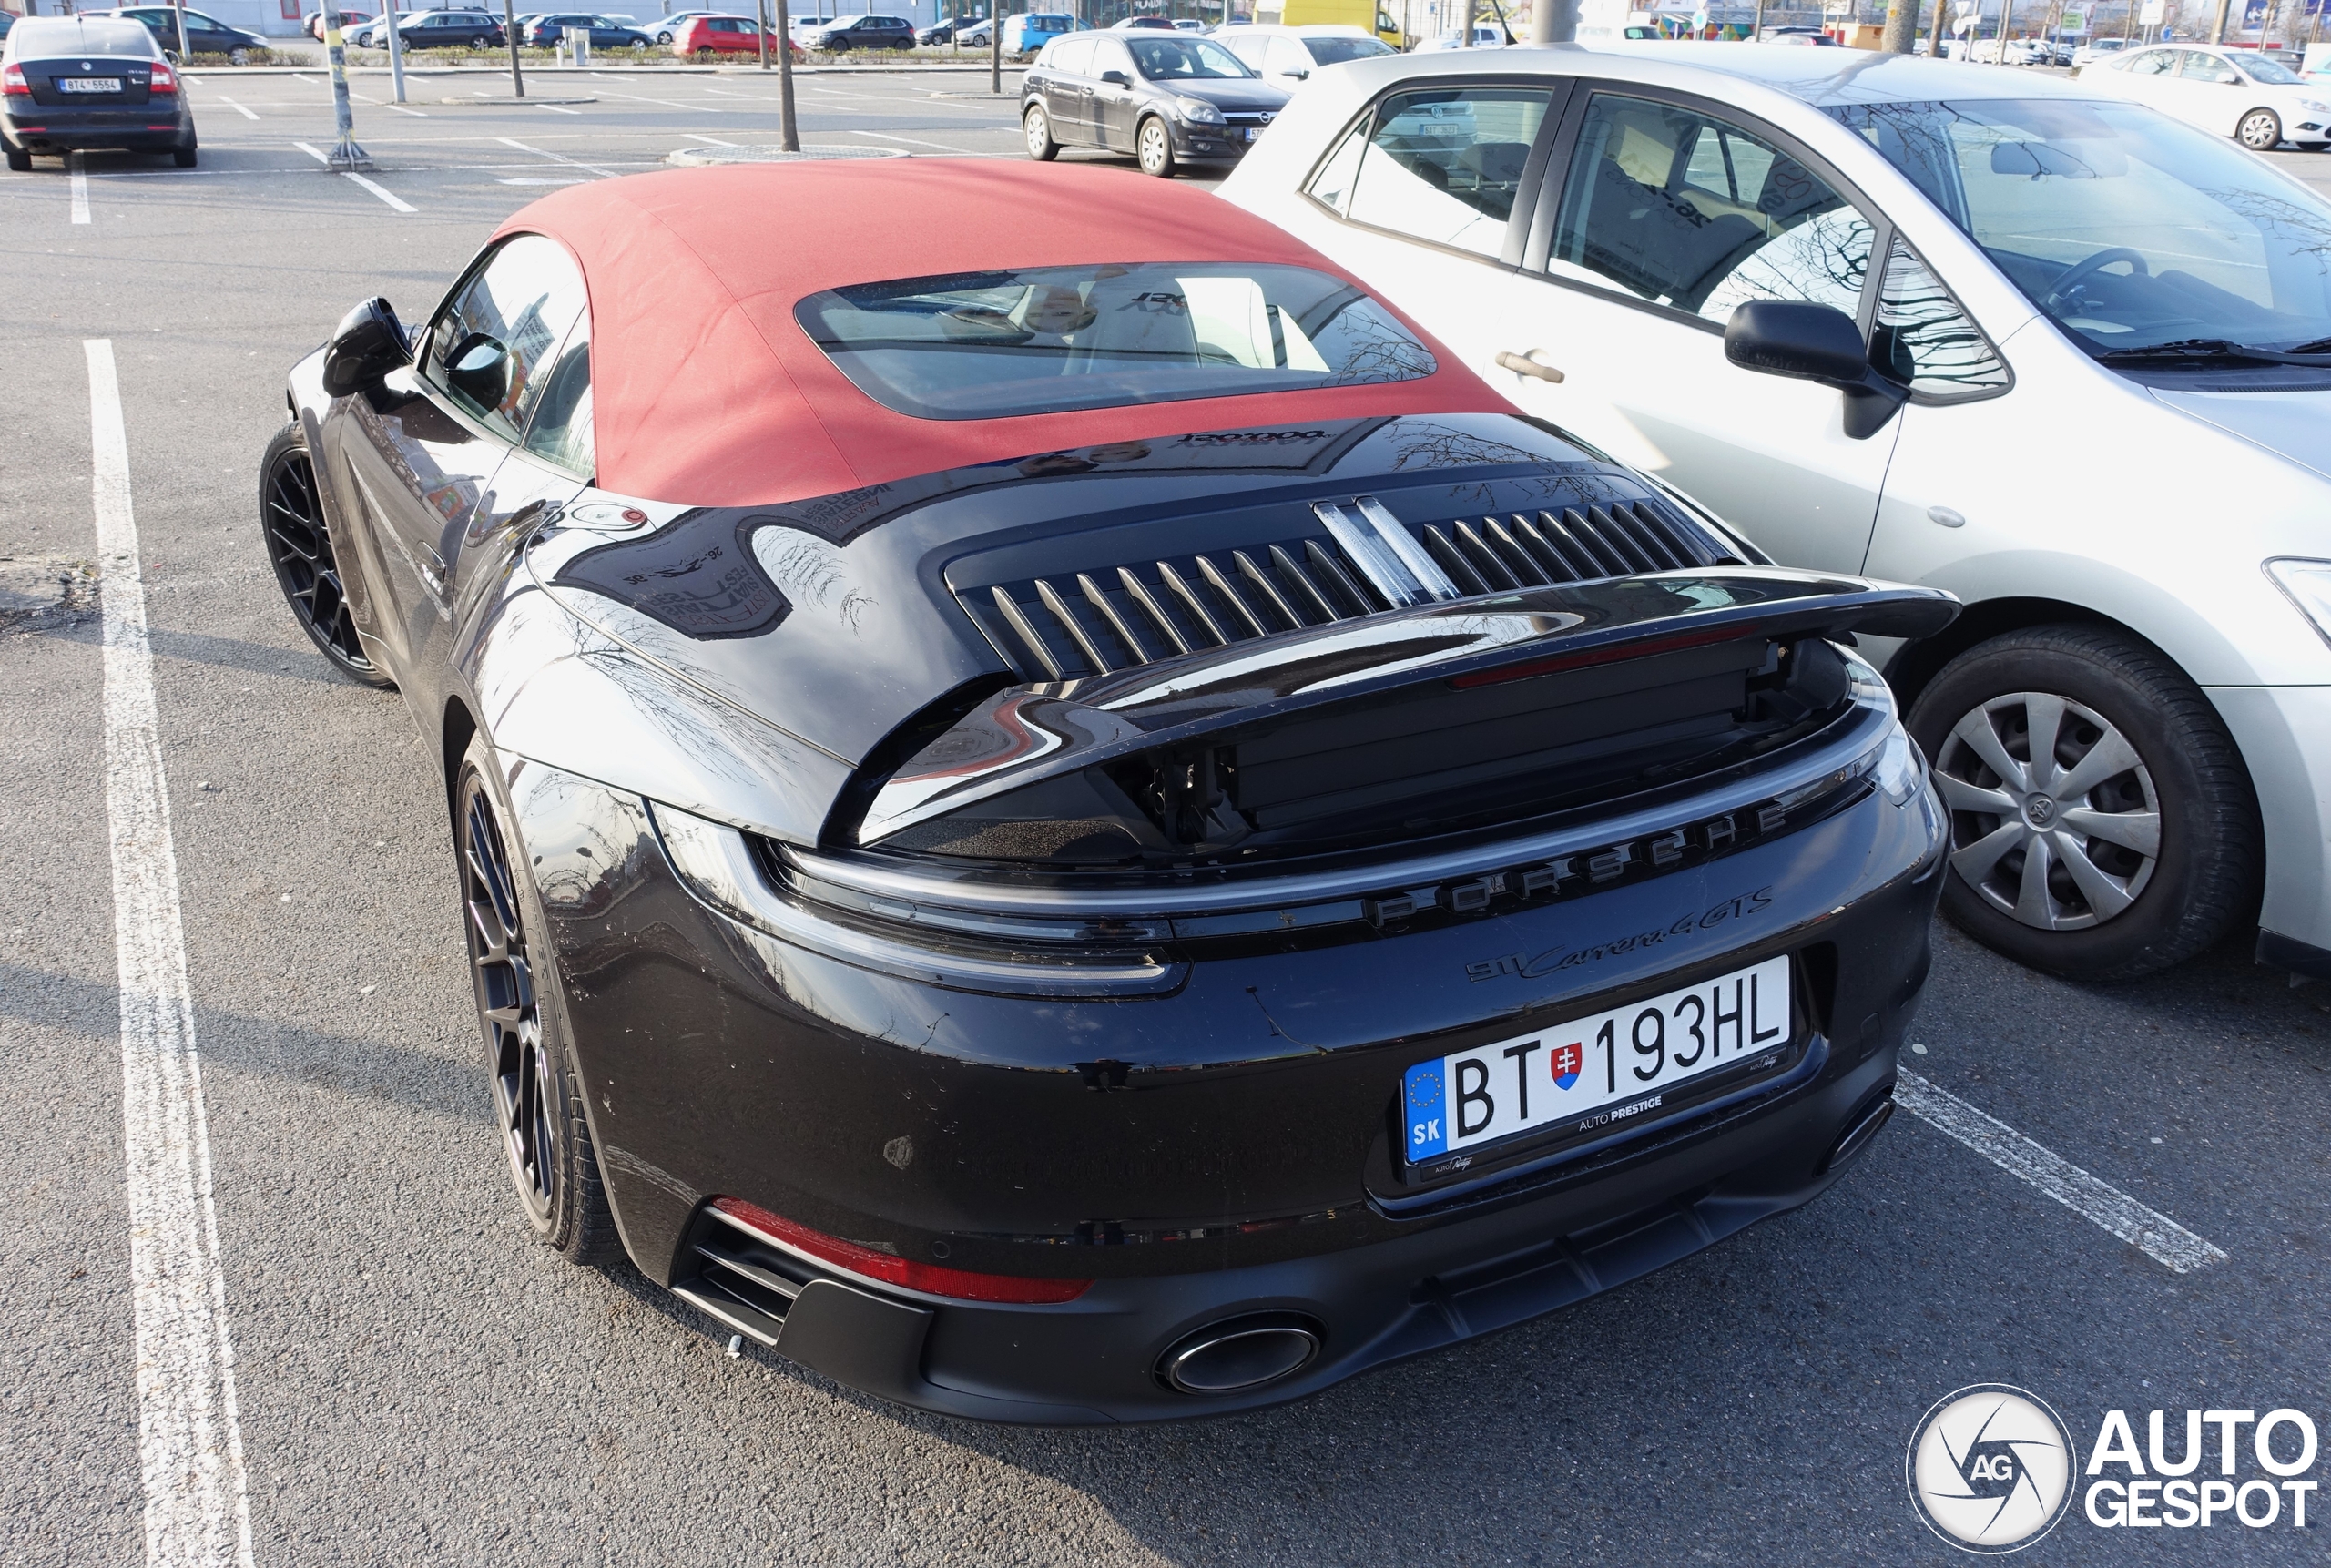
[1028, 735]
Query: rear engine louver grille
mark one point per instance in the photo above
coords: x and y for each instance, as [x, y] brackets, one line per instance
[1110, 617]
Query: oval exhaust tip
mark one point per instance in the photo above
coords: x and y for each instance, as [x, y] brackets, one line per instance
[1230, 1357]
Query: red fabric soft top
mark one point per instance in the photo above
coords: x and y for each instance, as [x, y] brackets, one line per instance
[706, 392]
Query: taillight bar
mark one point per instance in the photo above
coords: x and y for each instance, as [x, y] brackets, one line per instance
[165, 81]
[930, 1279]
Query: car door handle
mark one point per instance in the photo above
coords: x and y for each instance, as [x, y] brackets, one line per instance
[1523, 366]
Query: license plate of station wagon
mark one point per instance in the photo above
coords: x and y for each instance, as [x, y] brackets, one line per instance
[1596, 1072]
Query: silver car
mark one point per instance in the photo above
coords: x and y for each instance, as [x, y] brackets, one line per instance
[1860, 305]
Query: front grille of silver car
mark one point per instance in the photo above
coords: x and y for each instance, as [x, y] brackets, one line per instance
[1116, 615]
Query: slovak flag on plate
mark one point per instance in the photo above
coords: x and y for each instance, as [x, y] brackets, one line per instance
[1565, 1063]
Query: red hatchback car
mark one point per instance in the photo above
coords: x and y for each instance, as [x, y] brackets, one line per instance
[722, 35]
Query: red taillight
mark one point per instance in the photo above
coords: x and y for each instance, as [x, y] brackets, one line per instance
[927, 1278]
[165, 81]
[12, 82]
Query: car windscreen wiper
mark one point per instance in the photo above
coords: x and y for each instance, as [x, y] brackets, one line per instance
[2213, 348]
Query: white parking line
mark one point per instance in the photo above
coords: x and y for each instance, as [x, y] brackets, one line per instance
[668, 103]
[189, 1433]
[237, 108]
[401, 110]
[315, 152]
[942, 147]
[706, 140]
[388, 196]
[2159, 1237]
[80, 191]
[556, 110]
[554, 157]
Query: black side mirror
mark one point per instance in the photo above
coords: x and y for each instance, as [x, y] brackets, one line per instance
[368, 345]
[1116, 78]
[479, 370]
[1815, 343]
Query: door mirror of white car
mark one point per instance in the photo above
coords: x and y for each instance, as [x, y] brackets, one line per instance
[1815, 343]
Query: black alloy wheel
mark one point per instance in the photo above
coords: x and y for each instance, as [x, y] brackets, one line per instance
[2103, 823]
[299, 548]
[537, 1097]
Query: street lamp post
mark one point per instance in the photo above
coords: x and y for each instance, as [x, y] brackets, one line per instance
[396, 53]
[346, 156]
[510, 32]
[788, 136]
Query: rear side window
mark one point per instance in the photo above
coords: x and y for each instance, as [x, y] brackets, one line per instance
[1071, 56]
[1694, 213]
[490, 348]
[1051, 339]
[1442, 166]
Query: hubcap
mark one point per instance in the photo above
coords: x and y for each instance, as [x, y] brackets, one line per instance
[525, 1102]
[1037, 131]
[2054, 809]
[1153, 146]
[299, 545]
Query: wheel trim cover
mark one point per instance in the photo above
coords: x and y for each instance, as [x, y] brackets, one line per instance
[2030, 838]
[525, 1101]
[1153, 145]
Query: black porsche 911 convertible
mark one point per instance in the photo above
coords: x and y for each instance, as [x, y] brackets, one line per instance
[1073, 824]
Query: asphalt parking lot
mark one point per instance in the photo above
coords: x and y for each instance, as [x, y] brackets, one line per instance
[417, 1382]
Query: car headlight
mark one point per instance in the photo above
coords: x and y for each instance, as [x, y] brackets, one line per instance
[1198, 112]
[2314, 106]
[2307, 585]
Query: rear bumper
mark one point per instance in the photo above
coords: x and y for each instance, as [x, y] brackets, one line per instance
[1210, 1152]
[44, 134]
[1095, 1360]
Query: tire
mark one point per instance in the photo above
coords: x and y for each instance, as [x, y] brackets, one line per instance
[1154, 146]
[2102, 908]
[537, 1091]
[2260, 130]
[1037, 127]
[298, 538]
[20, 160]
[183, 157]
[239, 56]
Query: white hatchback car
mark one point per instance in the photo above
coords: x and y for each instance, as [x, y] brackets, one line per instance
[1976, 327]
[2259, 102]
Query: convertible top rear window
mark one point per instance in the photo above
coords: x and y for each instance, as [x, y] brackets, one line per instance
[1048, 339]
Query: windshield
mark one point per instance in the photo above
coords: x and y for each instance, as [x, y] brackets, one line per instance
[1336, 51]
[1047, 340]
[1179, 59]
[2128, 228]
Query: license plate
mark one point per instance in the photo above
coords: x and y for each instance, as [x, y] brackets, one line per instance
[1599, 1070]
[88, 84]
